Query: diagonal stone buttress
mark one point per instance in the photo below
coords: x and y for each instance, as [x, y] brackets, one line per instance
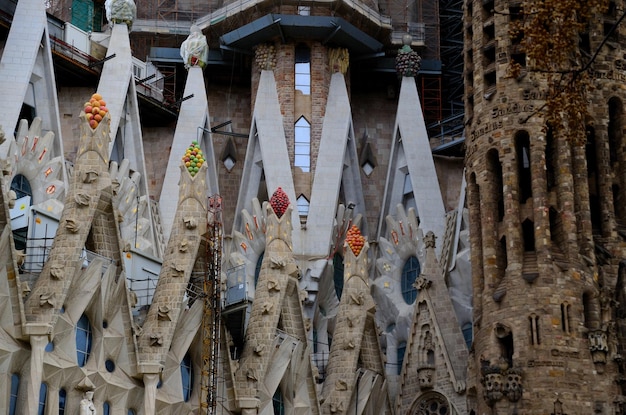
[117, 87]
[27, 63]
[337, 163]
[410, 152]
[277, 269]
[89, 196]
[355, 307]
[192, 124]
[183, 248]
[267, 153]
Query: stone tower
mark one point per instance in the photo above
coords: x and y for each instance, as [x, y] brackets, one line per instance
[545, 218]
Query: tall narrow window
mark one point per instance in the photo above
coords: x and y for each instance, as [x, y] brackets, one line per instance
[401, 351]
[338, 274]
[303, 206]
[468, 334]
[410, 272]
[302, 154]
[533, 319]
[186, 372]
[303, 70]
[257, 269]
[106, 408]
[15, 386]
[278, 403]
[43, 395]
[83, 340]
[565, 317]
[408, 197]
[62, 399]
[522, 146]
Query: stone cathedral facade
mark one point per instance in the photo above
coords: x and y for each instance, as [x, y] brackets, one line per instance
[546, 220]
[110, 235]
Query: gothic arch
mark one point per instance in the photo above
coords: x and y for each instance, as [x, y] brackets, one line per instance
[432, 403]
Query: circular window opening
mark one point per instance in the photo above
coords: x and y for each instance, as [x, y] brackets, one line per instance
[109, 365]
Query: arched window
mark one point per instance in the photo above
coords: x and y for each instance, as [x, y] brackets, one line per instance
[43, 395]
[432, 404]
[303, 205]
[62, 399]
[83, 340]
[303, 70]
[257, 269]
[302, 153]
[410, 271]
[468, 334]
[131, 412]
[400, 352]
[186, 372]
[278, 403]
[21, 186]
[15, 386]
[106, 408]
[338, 274]
[550, 156]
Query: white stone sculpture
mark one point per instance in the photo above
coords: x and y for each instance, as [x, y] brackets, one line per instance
[86, 404]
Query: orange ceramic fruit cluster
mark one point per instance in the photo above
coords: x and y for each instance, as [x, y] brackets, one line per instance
[95, 110]
[355, 240]
[279, 202]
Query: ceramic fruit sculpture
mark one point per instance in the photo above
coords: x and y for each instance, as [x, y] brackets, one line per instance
[193, 158]
[279, 202]
[95, 110]
[355, 240]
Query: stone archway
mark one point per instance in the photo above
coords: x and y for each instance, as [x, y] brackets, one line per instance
[432, 403]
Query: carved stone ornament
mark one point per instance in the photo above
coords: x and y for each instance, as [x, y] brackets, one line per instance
[184, 246]
[422, 283]
[357, 299]
[156, 340]
[426, 376]
[259, 349]
[164, 313]
[46, 300]
[268, 306]
[82, 199]
[89, 176]
[341, 385]
[250, 375]
[273, 285]
[598, 345]
[190, 222]
[72, 226]
[349, 345]
[178, 270]
[336, 407]
[492, 383]
[57, 272]
[25, 288]
[513, 384]
[277, 262]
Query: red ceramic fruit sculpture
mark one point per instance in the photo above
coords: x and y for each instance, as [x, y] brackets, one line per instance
[279, 202]
[355, 240]
[95, 110]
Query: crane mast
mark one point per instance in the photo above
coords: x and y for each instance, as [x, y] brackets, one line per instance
[212, 307]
